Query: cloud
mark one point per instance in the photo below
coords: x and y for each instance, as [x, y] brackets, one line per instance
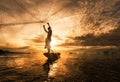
[111, 38]
[39, 39]
[57, 37]
[95, 14]
[91, 19]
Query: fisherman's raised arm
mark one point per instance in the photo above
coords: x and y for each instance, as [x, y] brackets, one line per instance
[45, 29]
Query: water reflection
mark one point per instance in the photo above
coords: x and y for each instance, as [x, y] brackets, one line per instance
[15, 62]
[81, 65]
[50, 67]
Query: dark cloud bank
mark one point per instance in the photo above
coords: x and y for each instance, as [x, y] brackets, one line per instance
[109, 39]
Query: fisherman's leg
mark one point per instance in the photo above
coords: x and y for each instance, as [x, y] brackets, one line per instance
[49, 47]
[48, 50]
[45, 43]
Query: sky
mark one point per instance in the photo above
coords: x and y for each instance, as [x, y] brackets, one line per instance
[74, 22]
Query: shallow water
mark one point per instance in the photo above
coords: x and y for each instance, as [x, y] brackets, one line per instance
[77, 65]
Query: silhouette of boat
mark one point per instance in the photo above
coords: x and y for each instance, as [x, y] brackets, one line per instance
[52, 56]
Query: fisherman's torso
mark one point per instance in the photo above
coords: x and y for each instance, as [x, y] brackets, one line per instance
[49, 34]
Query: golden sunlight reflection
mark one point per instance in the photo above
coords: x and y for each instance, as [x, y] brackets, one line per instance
[18, 62]
[53, 70]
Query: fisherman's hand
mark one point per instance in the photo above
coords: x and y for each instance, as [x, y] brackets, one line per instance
[48, 23]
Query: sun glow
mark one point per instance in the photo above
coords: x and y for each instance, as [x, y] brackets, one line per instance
[55, 42]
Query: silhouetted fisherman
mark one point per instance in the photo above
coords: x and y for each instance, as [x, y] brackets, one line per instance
[48, 39]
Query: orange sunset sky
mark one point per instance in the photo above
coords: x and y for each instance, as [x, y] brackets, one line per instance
[74, 22]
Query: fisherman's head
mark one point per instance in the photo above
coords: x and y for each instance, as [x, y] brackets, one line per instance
[49, 28]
